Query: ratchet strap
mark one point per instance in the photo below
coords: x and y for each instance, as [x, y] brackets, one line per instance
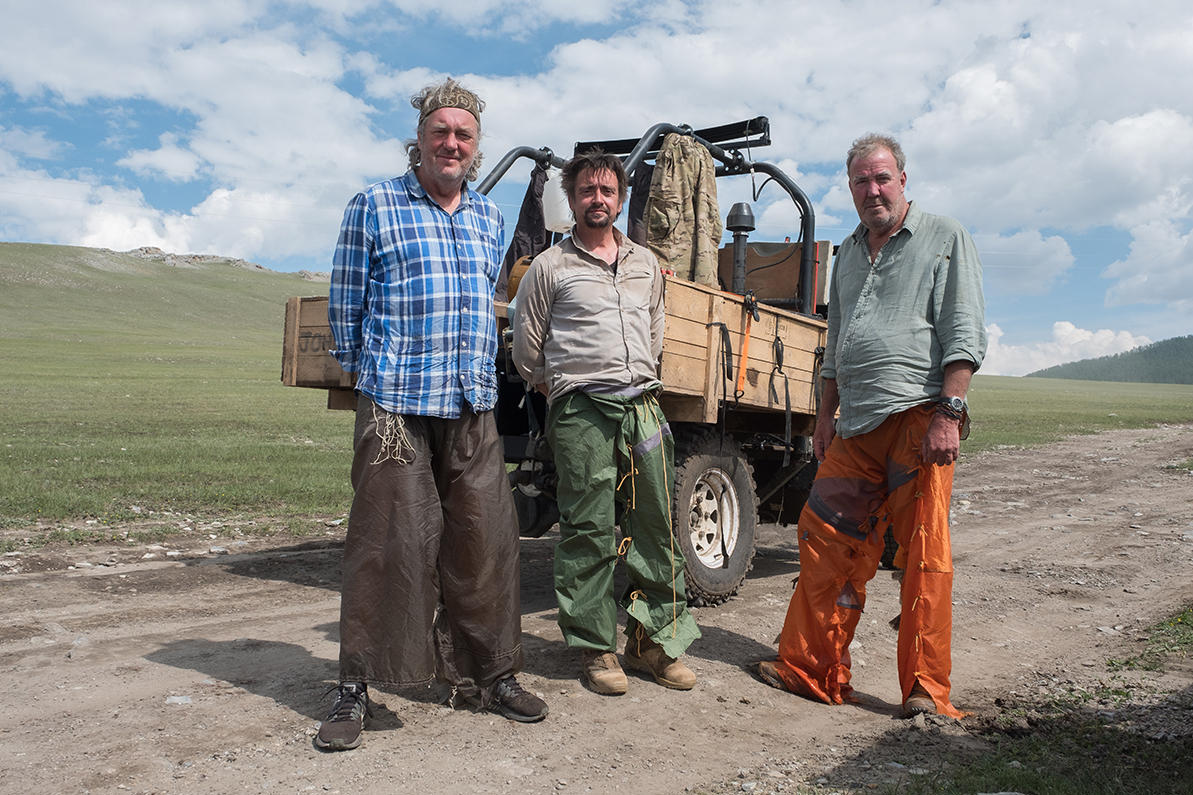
[777, 353]
[726, 356]
[750, 306]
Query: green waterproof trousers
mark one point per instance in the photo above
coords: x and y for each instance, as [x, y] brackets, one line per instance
[615, 459]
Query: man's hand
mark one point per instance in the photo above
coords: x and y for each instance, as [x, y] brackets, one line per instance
[822, 437]
[942, 442]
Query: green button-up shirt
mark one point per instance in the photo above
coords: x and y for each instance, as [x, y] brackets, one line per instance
[893, 324]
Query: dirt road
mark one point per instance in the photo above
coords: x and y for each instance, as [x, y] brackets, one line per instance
[200, 665]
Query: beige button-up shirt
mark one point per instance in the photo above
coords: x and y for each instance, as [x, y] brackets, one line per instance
[581, 324]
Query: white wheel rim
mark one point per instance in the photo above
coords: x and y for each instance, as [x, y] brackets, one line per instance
[714, 517]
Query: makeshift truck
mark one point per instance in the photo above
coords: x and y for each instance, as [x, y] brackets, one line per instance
[739, 369]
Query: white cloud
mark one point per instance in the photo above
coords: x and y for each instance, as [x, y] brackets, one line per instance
[1159, 269]
[1023, 263]
[32, 144]
[169, 160]
[79, 49]
[1067, 344]
[78, 211]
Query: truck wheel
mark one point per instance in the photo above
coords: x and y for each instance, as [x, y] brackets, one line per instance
[716, 513]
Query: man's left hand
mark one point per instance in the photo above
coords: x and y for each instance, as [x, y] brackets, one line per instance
[942, 442]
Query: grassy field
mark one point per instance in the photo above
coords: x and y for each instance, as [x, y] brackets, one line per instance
[1022, 412]
[133, 386]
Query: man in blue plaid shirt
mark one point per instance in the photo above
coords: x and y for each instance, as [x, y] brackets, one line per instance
[431, 559]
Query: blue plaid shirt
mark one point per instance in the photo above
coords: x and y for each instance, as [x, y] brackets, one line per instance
[411, 301]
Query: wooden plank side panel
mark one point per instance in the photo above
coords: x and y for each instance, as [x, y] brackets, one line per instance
[682, 375]
[686, 365]
[686, 330]
[290, 341]
[800, 339]
[307, 340]
[314, 311]
[799, 344]
[693, 342]
[684, 408]
[690, 368]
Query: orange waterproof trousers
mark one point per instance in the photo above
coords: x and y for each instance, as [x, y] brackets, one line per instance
[865, 484]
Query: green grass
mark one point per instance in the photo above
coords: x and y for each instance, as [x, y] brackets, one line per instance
[133, 386]
[1025, 412]
[1170, 638]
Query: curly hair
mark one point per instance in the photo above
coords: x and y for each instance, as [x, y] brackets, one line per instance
[448, 94]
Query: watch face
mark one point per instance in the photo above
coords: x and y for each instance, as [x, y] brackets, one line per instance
[954, 403]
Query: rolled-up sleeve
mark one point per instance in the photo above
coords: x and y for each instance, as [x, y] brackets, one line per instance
[530, 326]
[349, 281]
[960, 305]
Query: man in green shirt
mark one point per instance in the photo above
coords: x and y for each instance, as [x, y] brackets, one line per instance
[905, 335]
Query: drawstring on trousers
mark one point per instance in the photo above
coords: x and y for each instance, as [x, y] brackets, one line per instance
[391, 430]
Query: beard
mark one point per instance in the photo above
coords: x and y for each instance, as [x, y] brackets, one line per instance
[598, 218]
[891, 217]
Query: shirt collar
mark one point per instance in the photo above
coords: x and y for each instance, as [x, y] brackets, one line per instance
[625, 246]
[417, 191]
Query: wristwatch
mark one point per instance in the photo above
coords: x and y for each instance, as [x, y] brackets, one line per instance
[954, 404]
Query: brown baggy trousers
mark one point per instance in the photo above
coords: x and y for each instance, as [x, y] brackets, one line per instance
[431, 559]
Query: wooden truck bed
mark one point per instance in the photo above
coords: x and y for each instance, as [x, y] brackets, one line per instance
[692, 371]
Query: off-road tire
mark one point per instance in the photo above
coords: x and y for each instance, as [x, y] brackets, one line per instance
[716, 515]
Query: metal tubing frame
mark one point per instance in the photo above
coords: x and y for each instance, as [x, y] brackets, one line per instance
[543, 156]
[734, 164]
[807, 232]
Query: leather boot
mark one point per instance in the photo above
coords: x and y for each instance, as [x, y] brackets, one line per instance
[643, 654]
[603, 673]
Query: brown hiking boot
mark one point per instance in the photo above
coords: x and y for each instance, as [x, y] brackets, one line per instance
[603, 673]
[918, 702]
[643, 654]
[768, 672]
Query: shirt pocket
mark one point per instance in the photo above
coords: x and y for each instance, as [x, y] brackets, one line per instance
[635, 286]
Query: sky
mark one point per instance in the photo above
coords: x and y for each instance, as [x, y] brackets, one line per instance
[1060, 134]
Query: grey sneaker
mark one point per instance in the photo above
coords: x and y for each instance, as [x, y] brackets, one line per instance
[512, 701]
[341, 730]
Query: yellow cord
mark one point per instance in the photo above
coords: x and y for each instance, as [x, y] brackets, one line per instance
[656, 411]
[630, 474]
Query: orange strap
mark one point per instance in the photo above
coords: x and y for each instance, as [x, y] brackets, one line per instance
[751, 309]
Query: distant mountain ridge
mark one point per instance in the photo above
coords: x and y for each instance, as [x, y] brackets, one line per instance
[94, 294]
[1165, 362]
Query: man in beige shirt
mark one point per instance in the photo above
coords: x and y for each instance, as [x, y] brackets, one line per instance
[588, 334]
